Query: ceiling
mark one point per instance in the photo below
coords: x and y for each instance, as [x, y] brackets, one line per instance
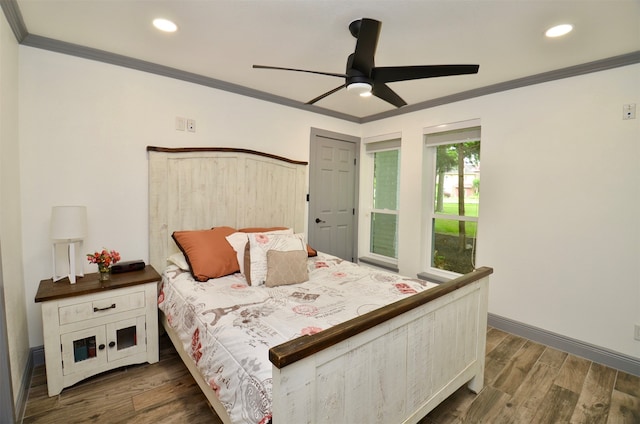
[222, 39]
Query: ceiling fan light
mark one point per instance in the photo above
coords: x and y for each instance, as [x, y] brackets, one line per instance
[559, 30]
[165, 25]
[366, 94]
[361, 88]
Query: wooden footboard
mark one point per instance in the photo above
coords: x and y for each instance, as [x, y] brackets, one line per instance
[392, 365]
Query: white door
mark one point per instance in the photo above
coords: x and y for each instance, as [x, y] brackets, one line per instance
[333, 194]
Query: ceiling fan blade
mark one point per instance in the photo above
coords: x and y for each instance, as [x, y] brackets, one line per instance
[383, 92]
[366, 45]
[328, 93]
[405, 73]
[300, 70]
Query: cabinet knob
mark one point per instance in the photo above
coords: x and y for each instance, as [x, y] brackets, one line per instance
[112, 344]
[101, 347]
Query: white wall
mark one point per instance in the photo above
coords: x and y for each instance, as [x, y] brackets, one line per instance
[84, 128]
[560, 188]
[10, 219]
[560, 197]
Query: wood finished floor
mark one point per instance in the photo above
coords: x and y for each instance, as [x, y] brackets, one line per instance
[525, 382]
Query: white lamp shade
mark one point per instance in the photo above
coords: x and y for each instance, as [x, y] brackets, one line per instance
[68, 222]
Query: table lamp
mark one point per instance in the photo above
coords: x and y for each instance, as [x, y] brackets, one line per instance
[69, 228]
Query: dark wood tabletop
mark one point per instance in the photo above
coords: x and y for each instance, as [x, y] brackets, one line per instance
[90, 283]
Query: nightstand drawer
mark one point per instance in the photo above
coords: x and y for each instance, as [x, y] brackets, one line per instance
[98, 308]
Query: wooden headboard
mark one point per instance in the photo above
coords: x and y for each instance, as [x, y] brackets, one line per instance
[201, 188]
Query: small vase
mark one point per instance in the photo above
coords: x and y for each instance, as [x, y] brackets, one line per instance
[105, 272]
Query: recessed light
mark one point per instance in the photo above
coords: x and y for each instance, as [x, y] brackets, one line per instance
[559, 30]
[165, 25]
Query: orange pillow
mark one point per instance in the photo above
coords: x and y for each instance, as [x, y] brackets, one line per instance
[208, 252]
[311, 251]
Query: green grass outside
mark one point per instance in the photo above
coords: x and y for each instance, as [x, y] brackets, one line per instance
[450, 226]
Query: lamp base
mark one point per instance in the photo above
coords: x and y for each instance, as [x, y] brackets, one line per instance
[70, 260]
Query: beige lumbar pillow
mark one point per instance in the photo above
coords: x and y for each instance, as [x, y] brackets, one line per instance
[286, 267]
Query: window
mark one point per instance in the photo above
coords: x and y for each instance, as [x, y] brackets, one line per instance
[453, 183]
[383, 234]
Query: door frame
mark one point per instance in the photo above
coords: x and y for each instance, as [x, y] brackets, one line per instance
[315, 133]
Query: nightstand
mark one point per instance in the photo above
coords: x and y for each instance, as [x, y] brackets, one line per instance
[93, 326]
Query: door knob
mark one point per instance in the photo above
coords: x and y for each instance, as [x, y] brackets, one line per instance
[112, 344]
[319, 221]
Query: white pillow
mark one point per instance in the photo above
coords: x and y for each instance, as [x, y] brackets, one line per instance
[179, 260]
[239, 241]
[260, 244]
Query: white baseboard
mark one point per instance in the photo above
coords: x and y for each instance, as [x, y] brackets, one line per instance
[588, 351]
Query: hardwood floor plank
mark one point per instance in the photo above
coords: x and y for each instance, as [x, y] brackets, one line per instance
[41, 402]
[494, 338]
[188, 409]
[558, 406]
[514, 373]
[452, 409]
[528, 399]
[627, 383]
[176, 389]
[84, 412]
[487, 406]
[625, 409]
[553, 357]
[595, 398]
[499, 357]
[573, 373]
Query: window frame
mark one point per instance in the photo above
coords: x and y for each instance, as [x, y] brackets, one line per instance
[371, 146]
[429, 181]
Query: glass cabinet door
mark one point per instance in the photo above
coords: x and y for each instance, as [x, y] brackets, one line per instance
[126, 337]
[83, 349]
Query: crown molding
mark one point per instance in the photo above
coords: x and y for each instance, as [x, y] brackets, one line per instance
[14, 18]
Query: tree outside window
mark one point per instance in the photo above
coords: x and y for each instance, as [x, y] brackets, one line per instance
[454, 219]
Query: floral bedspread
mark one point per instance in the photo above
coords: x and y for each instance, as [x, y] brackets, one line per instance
[227, 327]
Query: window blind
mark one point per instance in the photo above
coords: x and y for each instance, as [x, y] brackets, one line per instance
[454, 136]
[380, 146]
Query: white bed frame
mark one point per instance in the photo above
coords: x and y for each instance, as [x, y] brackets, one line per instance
[392, 365]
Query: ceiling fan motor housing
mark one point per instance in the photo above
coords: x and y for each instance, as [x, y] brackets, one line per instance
[355, 76]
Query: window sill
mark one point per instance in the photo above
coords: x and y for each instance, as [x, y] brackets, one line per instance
[433, 278]
[389, 266]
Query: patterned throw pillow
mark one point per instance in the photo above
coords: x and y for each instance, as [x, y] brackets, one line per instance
[259, 244]
[240, 240]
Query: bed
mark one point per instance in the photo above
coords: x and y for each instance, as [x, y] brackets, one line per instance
[388, 364]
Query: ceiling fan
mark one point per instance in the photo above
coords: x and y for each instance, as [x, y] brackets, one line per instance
[363, 77]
